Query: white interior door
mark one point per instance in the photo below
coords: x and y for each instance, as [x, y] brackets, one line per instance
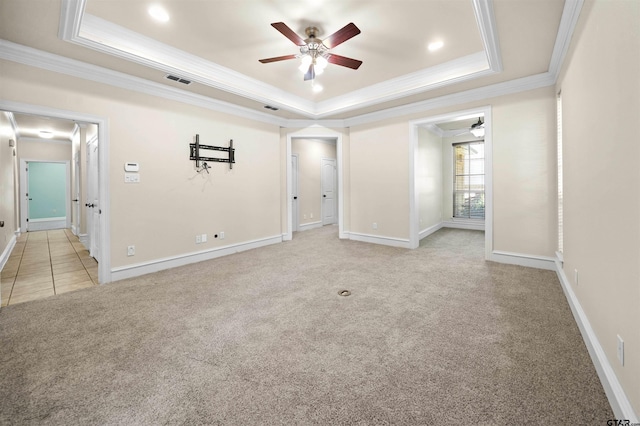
[76, 196]
[329, 189]
[294, 192]
[93, 202]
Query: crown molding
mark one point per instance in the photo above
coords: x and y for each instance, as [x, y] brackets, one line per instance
[456, 71]
[434, 129]
[94, 33]
[106, 37]
[500, 89]
[48, 61]
[570, 15]
[14, 126]
[488, 32]
[51, 62]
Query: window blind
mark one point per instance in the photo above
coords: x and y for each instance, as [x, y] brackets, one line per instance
[468, 184]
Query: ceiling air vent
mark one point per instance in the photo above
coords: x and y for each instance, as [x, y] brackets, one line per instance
[178, 79]
[271, 107]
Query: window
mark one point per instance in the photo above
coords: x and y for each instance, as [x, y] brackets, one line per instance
[468, 180]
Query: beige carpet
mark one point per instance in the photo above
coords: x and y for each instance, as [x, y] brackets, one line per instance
[433, 336]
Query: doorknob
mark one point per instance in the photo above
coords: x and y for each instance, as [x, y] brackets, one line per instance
[76, 200]
[324, 195]
[295, 198]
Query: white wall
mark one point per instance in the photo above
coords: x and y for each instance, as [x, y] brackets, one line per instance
[172, 203]
[601, 111]
[429, 178]
[45, 151]
[8, 168]
[379, 173]
[524, 173]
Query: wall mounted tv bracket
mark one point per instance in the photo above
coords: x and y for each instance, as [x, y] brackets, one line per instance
[195, 154]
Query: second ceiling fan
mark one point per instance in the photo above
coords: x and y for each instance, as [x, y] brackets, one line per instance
[314, 52]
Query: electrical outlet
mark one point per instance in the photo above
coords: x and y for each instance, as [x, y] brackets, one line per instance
[310, 215]
[221, 235]
[620, 350]
[204, 238]
[375, 225]
[304, 216]
[575, 276]
[198, 239]
[131, 250]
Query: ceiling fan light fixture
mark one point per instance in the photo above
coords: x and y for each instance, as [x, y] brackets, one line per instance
[477, 129]
[321, 63]
[304, 65]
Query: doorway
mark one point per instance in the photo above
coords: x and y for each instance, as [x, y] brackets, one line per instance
[430, 123]
[102, 244]
[311, 149]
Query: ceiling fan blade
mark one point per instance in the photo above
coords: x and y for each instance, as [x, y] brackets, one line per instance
[277, 58]
[344, 61]
[288, 33]
[348, 31]
[311, 73]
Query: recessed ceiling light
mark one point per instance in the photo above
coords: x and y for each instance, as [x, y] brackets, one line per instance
[317, 88]
[433, 46]
[158, 13]
[46, 134]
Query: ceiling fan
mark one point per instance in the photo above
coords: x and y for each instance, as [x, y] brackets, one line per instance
[314, 51]
[476, 129]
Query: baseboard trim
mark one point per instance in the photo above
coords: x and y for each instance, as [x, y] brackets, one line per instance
[309, 226]
[84, 239]
[476, 226]
[530, 261]
[47, 224]
[616, 395]
[7, 251]
[130, 271]
[377, 239]
[430, 230]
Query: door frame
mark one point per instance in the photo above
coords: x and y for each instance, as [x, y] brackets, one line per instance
[24, 187]
[314, 133]
[414, 216]
[104, 262]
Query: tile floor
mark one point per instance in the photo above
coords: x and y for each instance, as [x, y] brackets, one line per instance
[46, 263]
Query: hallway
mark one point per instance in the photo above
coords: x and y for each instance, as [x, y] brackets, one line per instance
[46, 263]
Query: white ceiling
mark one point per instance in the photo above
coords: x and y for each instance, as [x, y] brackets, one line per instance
[217, 44]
